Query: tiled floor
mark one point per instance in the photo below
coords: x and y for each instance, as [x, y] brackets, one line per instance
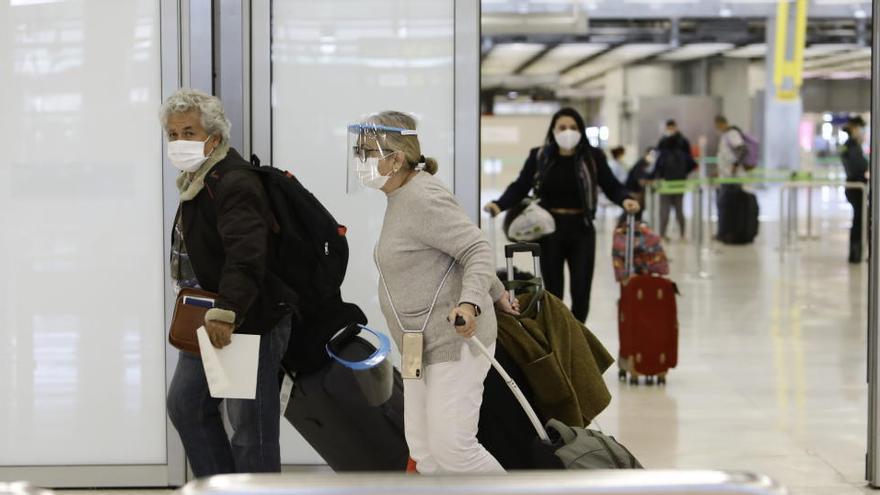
[772, 362]
[771, 374]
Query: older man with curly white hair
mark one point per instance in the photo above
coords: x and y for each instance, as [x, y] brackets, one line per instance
[221, 242]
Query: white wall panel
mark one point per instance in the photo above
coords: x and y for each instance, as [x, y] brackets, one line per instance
[82, 353]
[333, 62]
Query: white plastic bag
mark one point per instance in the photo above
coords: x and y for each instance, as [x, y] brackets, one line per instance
[532, 224]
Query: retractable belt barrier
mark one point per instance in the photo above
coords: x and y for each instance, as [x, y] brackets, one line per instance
[789, 182]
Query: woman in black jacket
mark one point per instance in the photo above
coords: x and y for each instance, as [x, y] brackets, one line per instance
[566, 174]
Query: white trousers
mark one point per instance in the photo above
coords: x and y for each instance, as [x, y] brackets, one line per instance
[441, 414]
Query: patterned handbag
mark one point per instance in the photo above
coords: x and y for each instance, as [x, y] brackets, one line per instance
[648, 255]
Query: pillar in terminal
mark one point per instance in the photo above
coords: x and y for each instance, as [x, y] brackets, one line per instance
[783, 107]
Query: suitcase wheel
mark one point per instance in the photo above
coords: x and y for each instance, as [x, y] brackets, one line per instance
[634, 380]
[649, 381]
[621, 375]
[661, 380]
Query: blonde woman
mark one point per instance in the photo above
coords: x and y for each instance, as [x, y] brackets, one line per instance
[434, 265]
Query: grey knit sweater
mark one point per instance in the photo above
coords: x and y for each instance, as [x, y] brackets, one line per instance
[424, 230]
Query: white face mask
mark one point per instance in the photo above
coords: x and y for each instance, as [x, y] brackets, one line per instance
[567, 140]
[187, 156]
[368, 173]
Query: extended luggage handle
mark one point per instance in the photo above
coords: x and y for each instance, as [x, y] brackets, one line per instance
[520, 397]
[522, 247]
[630, 245]
[512, 284]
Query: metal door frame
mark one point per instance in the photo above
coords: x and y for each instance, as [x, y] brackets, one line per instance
[873, 456]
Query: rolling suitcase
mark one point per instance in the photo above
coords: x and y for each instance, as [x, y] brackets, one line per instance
[325, 407]
[738, 213]
[647, 322]
[504, 428]
[559, 446]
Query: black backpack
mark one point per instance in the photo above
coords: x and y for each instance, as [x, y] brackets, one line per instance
[311, 254]
[673, 164]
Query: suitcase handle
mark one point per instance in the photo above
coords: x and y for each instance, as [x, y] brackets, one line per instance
[522, 247]
[630, 245]
[520, 397]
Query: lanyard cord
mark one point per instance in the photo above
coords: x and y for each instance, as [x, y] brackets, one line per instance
[391, 301]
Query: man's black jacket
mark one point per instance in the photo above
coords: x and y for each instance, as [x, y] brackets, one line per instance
[228, 230]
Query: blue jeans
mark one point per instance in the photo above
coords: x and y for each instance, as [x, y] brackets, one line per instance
[254, 446]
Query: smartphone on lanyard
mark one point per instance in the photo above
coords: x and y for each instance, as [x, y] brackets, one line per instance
[411, 355]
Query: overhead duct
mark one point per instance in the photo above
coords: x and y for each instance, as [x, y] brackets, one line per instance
[570, 22]
[523, 81]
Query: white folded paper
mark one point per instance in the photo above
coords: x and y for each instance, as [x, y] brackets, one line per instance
[231, 371]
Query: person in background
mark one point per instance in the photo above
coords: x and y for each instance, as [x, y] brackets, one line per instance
[673, 164]
[638, 178]
[857, 170]
[731, 148]
[673, 133]
[567, 173]
[429, 249]
[221, 242]
[616, 164]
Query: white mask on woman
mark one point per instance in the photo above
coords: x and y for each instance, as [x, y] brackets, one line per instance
[187, 156]
[568, 139]
[369, 175]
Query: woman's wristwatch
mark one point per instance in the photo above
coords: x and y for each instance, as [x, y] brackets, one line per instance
[477, 310]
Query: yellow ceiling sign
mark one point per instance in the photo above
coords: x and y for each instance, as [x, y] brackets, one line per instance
[788, 74]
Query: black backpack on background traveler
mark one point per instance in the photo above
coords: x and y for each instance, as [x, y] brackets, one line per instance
[673, 164]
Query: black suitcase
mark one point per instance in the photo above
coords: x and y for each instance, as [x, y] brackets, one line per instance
[325, 409]
[737, 216]
[559, 446]
[504, 429]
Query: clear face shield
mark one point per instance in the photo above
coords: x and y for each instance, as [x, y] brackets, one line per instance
[367, 153]
[362, 375]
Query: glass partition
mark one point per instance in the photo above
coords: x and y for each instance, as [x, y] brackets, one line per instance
[82, 346]
[332, 63]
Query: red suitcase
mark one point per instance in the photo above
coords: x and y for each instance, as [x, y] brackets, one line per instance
[647, 323]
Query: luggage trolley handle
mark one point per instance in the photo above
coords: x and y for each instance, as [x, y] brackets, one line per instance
[520, 397]
[523, 247]
[630, 244]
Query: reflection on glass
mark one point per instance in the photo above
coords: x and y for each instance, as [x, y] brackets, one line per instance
[332, 66]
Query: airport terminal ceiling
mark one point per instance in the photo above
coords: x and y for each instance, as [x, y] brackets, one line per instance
[647, 9]
[564, 48]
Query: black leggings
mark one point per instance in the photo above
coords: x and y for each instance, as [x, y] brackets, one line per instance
[575, 243]
[854, 196]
